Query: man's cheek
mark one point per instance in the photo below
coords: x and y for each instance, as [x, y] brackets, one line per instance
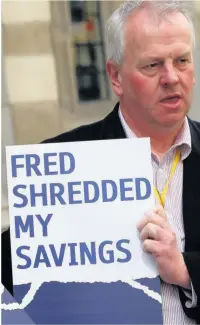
[141, 83]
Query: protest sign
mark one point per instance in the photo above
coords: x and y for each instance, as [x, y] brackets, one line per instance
[73, 211]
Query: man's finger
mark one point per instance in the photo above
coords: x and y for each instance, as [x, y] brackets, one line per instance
[152, 231]
[151, 217]
[160, 211]
[152, 246]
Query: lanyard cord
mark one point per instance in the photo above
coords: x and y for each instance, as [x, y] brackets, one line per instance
[162, 196]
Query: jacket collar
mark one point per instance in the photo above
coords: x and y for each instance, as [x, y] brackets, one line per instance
[195, 135]
[112, 128]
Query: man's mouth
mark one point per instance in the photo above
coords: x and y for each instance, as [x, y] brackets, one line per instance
[171, 99]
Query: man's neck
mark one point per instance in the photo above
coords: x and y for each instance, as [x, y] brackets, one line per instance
[162, 139]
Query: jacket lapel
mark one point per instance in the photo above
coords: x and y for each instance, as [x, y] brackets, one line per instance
[191, 192]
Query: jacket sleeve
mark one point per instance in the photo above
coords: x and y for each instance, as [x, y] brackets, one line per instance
[192, 261]
[6, 264]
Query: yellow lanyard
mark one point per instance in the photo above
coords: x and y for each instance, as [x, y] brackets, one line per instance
[162, 196]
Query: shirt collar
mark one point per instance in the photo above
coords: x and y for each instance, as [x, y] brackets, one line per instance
[183, 140]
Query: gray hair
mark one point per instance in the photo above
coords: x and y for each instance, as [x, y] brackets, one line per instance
[115, 24]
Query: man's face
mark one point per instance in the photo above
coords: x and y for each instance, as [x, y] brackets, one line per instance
[158, 63]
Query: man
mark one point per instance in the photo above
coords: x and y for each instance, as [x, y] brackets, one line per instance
[150, 65]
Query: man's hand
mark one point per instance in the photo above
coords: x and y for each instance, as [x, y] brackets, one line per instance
[160, 240]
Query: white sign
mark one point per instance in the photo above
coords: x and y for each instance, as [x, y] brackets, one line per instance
[74, 209]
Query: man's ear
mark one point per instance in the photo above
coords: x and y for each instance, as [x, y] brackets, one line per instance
[115, 78]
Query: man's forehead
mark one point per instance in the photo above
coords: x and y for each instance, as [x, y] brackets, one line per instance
[142, 25]
[163, 53]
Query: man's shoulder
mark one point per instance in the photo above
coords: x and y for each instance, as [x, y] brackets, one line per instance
[82, 133]
[195, 124]
[195, 127]
[195, 135]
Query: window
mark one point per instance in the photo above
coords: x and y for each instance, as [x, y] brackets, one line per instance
[88, 49]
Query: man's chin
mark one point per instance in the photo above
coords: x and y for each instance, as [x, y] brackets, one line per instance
[171, 121]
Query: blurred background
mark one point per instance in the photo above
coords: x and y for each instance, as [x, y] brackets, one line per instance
[53, 70]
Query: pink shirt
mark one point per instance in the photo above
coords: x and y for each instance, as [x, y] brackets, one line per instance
[172, 310]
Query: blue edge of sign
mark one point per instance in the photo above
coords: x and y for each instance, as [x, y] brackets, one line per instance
[97, 303]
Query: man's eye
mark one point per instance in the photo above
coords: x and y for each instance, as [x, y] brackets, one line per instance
[152, 65]
[183, 60]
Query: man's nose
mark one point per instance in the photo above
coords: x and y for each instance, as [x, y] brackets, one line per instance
[169, 76]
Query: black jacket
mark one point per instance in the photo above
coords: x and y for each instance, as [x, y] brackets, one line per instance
[111, 128]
